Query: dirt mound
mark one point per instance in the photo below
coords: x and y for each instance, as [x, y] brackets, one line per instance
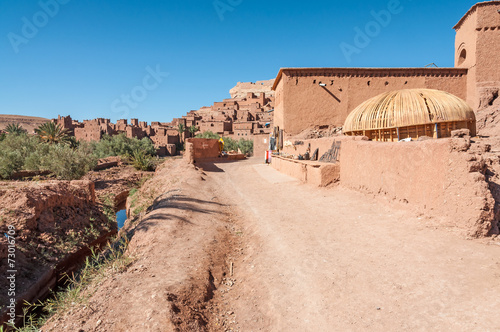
[51, 220]
[27, 122]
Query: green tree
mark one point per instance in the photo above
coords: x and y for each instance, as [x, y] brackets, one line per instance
[193, 130]
[208, 134]
[181, 128]
[121, 145]
[51, 133]
[15, 129]
[246, 146]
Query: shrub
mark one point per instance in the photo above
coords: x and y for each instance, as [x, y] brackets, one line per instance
[121, 145]
[246, 146]
[14, 149]
[18, 152]
[208, 134]
[141, 160]
[68, 164]
[10, 162]
[230, 144]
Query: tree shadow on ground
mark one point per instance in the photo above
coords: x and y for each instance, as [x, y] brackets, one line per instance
[172, 201]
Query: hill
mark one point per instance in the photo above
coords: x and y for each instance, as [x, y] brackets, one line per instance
[27, 122]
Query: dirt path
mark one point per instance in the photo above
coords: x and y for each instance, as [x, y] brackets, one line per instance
[336, 260]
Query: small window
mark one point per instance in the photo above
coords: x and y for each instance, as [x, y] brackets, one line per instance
[462, 57]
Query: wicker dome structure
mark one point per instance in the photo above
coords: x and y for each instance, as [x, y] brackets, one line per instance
[396, 115]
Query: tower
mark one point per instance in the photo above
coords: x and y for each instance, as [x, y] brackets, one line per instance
[477, 47]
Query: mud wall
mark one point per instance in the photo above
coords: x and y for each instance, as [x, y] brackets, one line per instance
[302, 103]
[201, 148]
[439, 177]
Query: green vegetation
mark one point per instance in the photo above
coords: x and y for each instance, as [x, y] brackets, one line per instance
[121, 145]
[181, 128]
[71, 160]
[208, 134]
[245, 145]
[66, 163]
[80, 287]
[15, 129]
[142, 161]
[23, 152]
[52, 133]
[193, 130]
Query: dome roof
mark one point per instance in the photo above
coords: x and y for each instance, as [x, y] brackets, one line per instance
[411, 107]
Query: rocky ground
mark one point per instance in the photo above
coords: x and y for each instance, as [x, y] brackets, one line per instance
[54, 219]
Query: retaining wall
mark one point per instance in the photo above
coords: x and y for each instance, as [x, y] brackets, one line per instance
[445, 176]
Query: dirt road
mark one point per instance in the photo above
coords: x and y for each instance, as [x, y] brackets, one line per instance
[336, 260]
[241, 247]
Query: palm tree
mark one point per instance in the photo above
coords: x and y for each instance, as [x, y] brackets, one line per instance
[51, 132]
[193, 130]
[181, 128]
[15, 129]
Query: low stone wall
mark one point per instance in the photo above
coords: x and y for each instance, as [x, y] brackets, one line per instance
[444, 177]
[315, 173]
[199, 149]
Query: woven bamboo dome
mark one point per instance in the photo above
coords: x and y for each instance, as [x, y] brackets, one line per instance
[396, 115]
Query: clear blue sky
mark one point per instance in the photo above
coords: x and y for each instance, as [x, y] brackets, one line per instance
[84, 57]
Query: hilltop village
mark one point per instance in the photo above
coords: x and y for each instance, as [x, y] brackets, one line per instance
[381, 208]
[247, 114]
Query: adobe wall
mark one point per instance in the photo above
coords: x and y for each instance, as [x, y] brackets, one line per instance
[441, 177]
[465, 54]
[314, 173]
[477, 47]
[260, 145]
[488, 48]
[198, 149]
[302, 103]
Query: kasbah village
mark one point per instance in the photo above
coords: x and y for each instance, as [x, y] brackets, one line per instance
[369, 201]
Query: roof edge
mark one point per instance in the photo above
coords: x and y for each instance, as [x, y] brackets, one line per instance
[372, 69]
[473, 9]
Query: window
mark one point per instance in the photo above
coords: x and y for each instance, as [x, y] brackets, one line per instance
[462, 57]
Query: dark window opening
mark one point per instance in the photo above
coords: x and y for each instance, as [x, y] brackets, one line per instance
[462, 57]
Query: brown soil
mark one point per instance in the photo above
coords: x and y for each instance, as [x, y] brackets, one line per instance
[28, 123]
[54, 220]
[181, 250]
[303, 258]
[113, 182]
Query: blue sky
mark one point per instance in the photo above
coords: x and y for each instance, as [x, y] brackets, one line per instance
[156, 60]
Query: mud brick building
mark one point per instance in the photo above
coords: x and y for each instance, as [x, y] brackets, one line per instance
[315, 97]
